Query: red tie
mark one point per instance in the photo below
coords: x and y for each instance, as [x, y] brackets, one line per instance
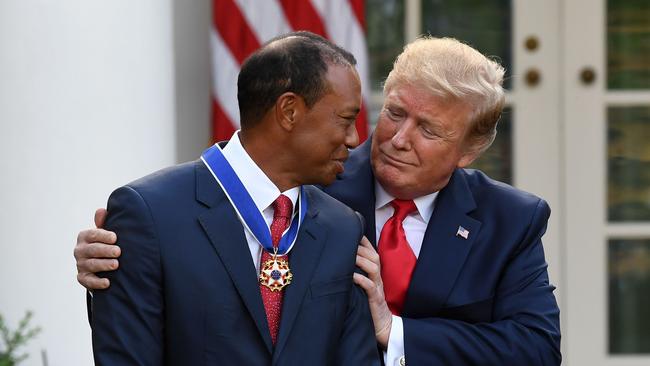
[282, 209]
[396, 256]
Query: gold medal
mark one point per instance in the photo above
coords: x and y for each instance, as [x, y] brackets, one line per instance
[275, 273]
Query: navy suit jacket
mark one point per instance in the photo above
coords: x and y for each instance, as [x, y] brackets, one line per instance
[484, 300]
[186, 291]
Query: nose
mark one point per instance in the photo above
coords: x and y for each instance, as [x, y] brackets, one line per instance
[401, 140]
[351, 137]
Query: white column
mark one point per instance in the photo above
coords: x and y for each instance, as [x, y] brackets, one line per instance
[86, 104]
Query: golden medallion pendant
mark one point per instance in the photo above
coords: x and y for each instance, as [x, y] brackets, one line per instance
[275, 273]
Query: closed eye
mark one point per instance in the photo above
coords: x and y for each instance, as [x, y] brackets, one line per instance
[427, 132]
[393, 114]
[350, 119]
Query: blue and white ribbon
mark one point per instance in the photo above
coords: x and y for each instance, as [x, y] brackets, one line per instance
[244, 205]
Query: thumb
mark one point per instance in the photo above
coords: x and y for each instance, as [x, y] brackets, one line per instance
[100, 217]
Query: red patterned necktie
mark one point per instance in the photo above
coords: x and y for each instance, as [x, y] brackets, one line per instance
[282, 209]
[396, 256]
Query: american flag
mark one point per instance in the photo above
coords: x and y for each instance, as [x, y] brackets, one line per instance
[462, 232]
[239, 27]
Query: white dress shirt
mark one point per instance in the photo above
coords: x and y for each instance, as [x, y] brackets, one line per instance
[414, 227]
[259, 186]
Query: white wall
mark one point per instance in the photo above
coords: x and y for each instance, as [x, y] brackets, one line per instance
[192, 21]
[87, 103]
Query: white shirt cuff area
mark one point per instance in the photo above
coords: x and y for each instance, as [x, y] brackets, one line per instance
[395, 350]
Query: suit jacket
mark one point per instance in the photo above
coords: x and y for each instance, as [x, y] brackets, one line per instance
[484, 300]
[186, 291]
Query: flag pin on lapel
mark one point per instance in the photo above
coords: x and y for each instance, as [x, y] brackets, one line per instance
[462, 232]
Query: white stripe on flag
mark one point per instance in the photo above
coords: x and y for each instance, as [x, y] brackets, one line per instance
[225, 70]
[265, 18]
[344, 29]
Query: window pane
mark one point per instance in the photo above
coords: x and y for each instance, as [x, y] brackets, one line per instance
[629, 296]
[628, 44]
[628, 163]
[484, 24]
[385, 37]
[496, 162]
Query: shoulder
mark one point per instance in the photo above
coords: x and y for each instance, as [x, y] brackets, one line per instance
[167, 177]
[323, 202]
[332, 213]
[165, 185]
[511, 218]
[492, 195]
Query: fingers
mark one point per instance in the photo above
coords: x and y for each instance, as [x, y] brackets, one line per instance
[366, 250]
[371, 268]
[100, 217]
[368, 253]
[96, 235]
[365, 242]
[87, 267]
[96, 250]
[92, 282]
[94, 265]
[381, 315]
[364, 282]
[373, 288]
[368, 260]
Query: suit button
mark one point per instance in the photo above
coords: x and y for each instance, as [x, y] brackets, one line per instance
[402, 361]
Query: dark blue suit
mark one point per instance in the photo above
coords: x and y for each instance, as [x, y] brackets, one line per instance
[484, 300]
[186, 292]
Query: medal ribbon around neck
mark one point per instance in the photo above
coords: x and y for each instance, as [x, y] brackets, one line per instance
[244, 205]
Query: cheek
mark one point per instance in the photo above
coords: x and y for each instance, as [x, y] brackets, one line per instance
[384, 130]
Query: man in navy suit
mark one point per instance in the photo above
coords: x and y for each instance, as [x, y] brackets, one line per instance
[202, 281]
[478, 291]
[455, 266]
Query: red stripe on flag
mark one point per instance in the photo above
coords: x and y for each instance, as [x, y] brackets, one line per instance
[362, 123]
[233, 29]
[302, 16]
[222, 128]
[359, 8]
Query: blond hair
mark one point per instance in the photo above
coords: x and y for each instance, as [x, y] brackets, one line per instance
[453, 70]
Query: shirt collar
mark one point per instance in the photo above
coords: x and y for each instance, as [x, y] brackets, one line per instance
[425, 204]
[259, 186]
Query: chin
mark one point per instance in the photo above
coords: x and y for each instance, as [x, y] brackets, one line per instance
[389, 175]
[326, 180]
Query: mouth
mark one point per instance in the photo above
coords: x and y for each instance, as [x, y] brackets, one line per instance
[339, 165]
[393, 160]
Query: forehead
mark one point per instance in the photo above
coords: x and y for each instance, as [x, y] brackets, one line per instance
[344, 86]
[424, 105]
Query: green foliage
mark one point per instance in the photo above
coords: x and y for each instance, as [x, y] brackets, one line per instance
[12, 340]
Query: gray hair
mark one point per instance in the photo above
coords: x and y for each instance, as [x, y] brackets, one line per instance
[453, 70]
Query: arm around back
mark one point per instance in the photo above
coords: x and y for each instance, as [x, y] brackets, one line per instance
[127, 318]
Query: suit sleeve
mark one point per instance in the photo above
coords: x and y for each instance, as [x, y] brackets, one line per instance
[525, 326]
[127, 318]
[358, 345]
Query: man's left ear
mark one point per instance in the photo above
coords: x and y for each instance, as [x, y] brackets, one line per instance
[468, 158]
[289, 109]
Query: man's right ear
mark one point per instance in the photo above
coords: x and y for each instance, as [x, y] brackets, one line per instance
[289, 108]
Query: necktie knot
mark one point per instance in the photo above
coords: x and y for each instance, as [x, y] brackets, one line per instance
[282, 207]
[403, 208]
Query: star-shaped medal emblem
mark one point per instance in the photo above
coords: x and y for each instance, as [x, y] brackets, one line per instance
[276, 274]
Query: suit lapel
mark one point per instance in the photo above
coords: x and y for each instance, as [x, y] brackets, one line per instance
[303, 260]
[231, 246]
[443, 252]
